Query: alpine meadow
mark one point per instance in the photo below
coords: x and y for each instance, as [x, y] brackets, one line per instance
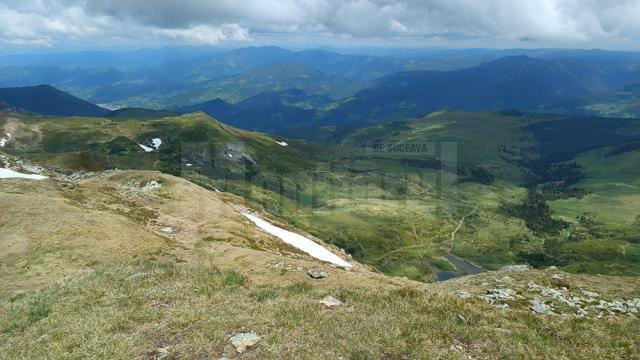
[332, 179]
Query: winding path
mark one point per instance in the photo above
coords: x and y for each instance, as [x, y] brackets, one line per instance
[455, 231]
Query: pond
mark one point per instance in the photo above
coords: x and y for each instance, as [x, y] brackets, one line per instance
[463, 268]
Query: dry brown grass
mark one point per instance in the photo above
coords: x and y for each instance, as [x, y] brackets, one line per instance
[209, 280]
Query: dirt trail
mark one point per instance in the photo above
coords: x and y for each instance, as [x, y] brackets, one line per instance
[460, 224]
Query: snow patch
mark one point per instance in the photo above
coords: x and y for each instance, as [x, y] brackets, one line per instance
[5, 140]
[298, 241]
[156, 143]
[282, 143]
[10, 174]
[146, 148]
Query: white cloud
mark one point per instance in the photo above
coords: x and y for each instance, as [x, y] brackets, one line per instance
[207, 34]
[210, 22]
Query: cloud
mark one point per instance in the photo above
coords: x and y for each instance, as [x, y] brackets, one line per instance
[211, 22]
[208, 34]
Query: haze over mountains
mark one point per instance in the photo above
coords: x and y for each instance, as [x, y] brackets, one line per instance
[277, 90]
[326, 179]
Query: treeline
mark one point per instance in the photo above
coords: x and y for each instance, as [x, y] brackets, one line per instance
[536, 214]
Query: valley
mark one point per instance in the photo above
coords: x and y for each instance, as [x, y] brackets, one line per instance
[399, 212]
[360, 191]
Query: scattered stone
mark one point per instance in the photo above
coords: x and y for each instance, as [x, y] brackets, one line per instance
[552, 293]
[135, 186]
[531, 286]
[280, 266]
[463, 294]
[557, 277]
[462, 318]
[552, 268]
[505, 279]
[242, 341]
[581, 312]
[330, 301]
[163, 352]
[540, 307]
[135, 277]
[150, 186]
[590, 294]
[494, 295]
[317, 274]
[501, 306]
[515, 268]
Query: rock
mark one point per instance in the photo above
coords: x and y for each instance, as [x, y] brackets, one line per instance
[501, 306]
[557, 277]
[515, 268]
[163, 352]
[505, 279]
[581, 312]
[552, 293]
[135, 277]
[494, 295]
[531, 286]
[463, 294]
[552, 268]
[590, 294]
[539, 307]
[242, 341]
[150, 186]
[330, 301]
[317, 274]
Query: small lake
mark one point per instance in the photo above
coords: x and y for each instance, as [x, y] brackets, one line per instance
[463, 268]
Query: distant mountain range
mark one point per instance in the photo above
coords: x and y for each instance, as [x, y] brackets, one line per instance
[47, 100]
[565, 86]
[166, 78]
[279, 91]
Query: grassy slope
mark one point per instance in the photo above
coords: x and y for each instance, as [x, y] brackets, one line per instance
[614, 202]
[190, 313]
[395, 216]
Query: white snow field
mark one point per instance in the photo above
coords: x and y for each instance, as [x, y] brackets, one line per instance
[300, 242]
[10, 174]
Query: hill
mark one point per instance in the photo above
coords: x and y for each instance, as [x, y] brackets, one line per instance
[274, 78]
[622, 103]
[392, 195]
[47, 100]
[519, 82]
[274, 112]
[140, 113]
[152, 265]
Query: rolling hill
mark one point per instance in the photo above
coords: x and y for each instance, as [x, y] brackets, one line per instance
[139, 113]
[169, 268]
[274, 112]
[47, 100]
[520, 83]
[397, 209]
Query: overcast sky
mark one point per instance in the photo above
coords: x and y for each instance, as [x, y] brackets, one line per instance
[459, 23]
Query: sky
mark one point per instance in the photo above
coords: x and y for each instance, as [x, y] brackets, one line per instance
[87, 24]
